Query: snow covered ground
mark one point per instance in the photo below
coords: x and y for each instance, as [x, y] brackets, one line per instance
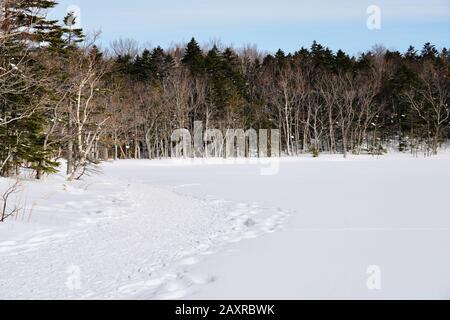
[362, 227]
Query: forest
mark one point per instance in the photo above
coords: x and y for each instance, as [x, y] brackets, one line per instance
[64, 98]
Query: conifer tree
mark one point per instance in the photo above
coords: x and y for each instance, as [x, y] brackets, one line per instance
[193, 57]
[27, 19]
[21, 105]
[159, 63]
[66, 37]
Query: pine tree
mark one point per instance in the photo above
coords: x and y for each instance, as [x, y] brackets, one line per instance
[322, 57]
[411, 54]
[27, 19]
[429, 52]
[342, 61]
[66, 38]
[160, 65]
[23, 137]
[403, 120]
[280, 56]
[193, 57]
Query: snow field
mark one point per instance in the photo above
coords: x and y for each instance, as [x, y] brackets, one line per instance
[120, 238]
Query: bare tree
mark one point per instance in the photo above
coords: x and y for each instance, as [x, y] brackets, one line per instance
[431, 103]
[125, 48]
[85, 117]
[8, 210]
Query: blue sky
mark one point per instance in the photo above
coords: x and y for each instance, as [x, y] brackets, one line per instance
[270, 24]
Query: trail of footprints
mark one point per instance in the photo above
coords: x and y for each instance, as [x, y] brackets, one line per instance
[155, 279]
[246, 221]
[88, 214]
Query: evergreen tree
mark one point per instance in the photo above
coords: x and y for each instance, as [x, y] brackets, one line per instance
[142, 66]
[342, 61]
[193, 57]
[322, 57]
[160, 63]
[411, 54]
[23, 138]
[402, 118]
[28, 19]
[66, 38]
[429, 52]
[280, 56]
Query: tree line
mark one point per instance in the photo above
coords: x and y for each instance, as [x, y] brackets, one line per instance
[61, 97]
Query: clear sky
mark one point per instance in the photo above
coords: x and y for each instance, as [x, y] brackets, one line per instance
[270, 24]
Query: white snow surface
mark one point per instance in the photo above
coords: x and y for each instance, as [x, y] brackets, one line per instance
[190, 229]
